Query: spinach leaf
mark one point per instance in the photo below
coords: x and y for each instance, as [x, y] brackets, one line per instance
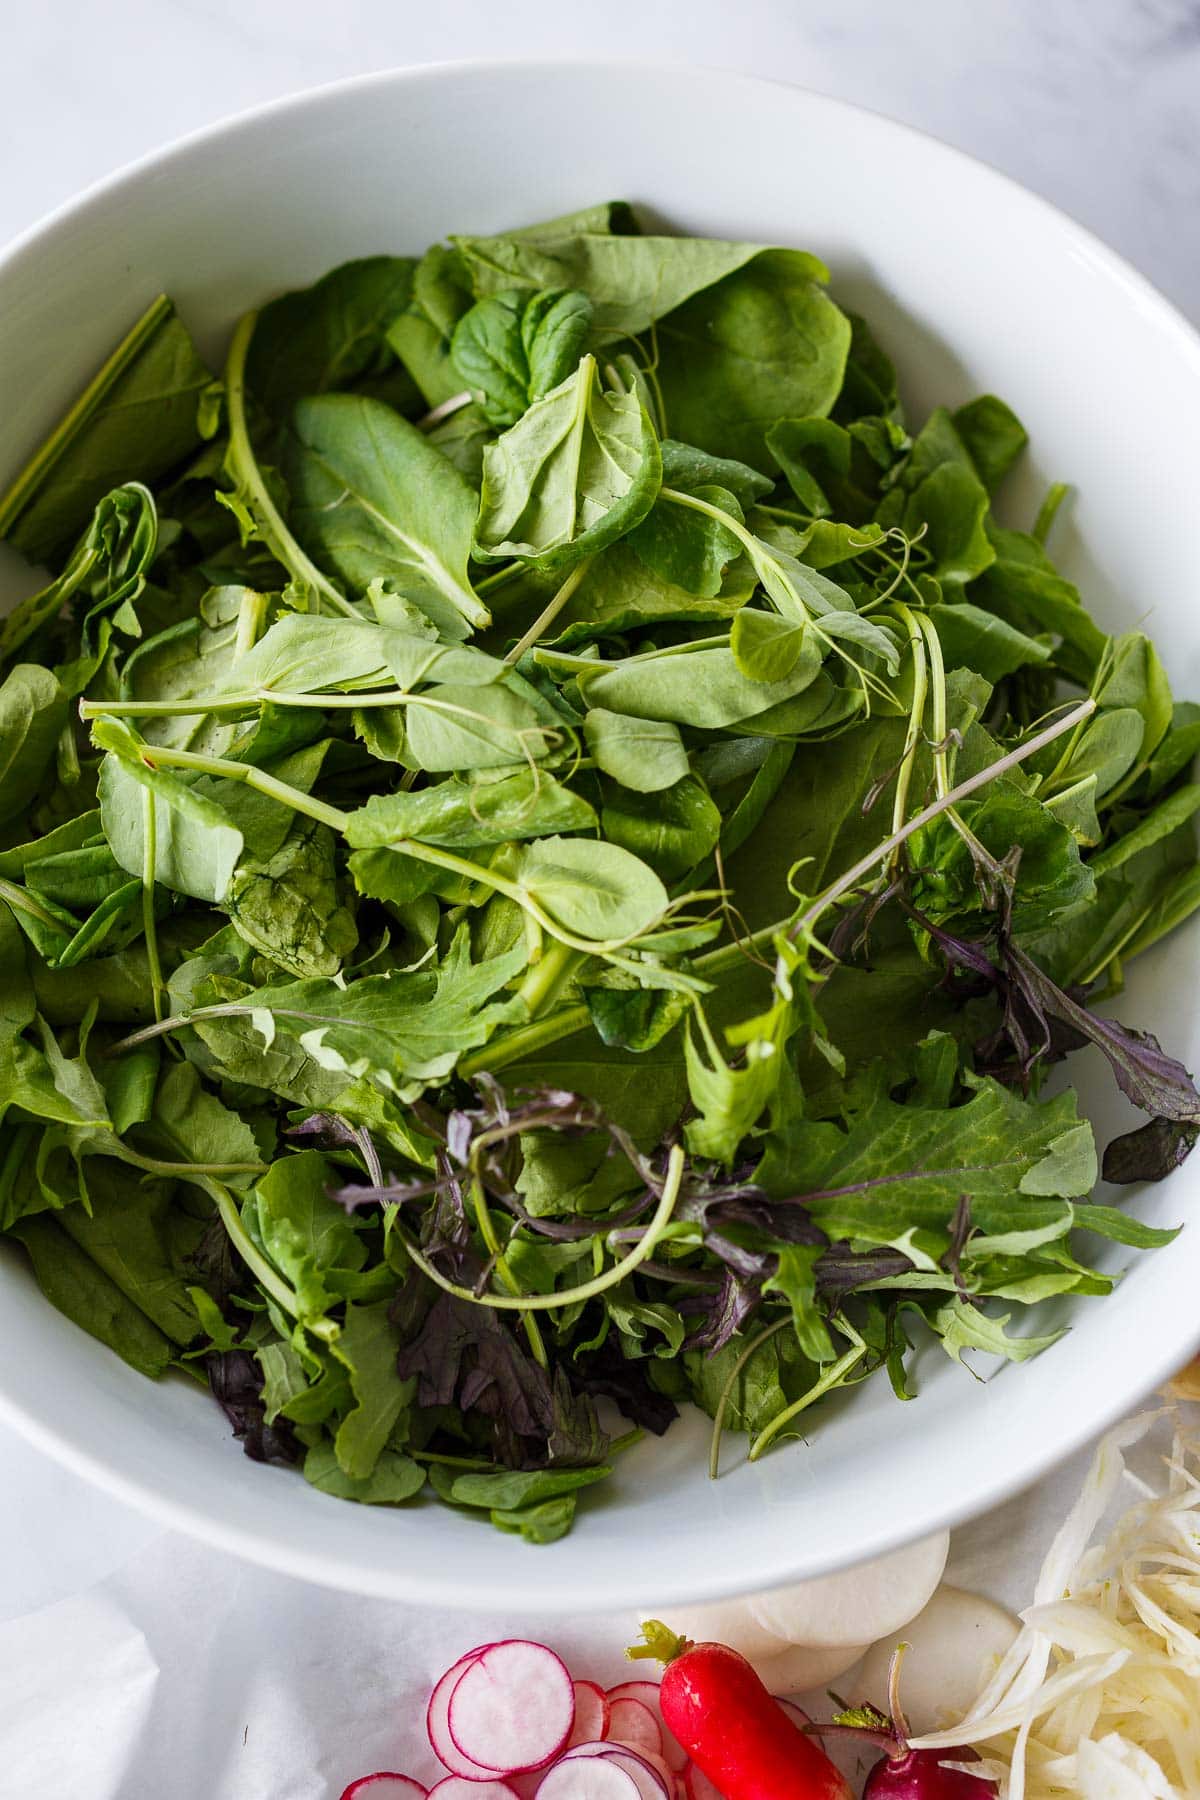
[371, 496]
[33, 713]
[196, 845]
[471, 814]
[134, 421]
[514, 347]
[578, 470]
[765, 343]
[328, 335]
[672, 830]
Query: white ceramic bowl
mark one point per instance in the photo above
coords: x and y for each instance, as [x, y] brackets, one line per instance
[973, 284]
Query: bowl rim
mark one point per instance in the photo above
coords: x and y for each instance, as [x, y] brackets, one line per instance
[349, 1572]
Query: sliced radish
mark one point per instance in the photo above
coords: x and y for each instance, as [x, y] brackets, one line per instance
[647, 1692]
[512, 1708]
[652, 1783]
[437, 1723]
[631, 1722]
[587, 1778]
[699, 1787]
[795, 1713]
[386, 1785]
[456, 1787]
[591, 1712]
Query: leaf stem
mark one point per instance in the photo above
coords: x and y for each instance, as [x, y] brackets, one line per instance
[871, 861]
[549, 612]
[161, 756]
[445, 410]
[244, 467]
[587, 1290]
[714, 1455]
[829, 1378]
[916, 717]
[149, 924]
[257, 1263]
[487, 1232]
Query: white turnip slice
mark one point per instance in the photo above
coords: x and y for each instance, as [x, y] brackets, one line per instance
[855, 1606]
[953, 1647]
[386, 1785]
[799, 1670]
[437, 1726]
[513, 1708]
[591, 1713]
[587, 1778]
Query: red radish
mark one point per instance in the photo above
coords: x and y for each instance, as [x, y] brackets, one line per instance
[437, 1726]
[591, 1713]
[732, 1728]
[455, 1787]
[385, 1786]
[647, 1693]
[651, 1782]
[920, 1775]
[904, 1774]
[631, 1722]
[587, 1778]
[512, 1708]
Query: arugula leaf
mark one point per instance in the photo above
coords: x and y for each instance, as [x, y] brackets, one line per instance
[578, 470]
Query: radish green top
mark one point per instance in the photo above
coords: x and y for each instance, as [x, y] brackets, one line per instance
[549, 839]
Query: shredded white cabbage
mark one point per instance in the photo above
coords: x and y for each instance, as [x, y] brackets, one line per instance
[1099, 1696]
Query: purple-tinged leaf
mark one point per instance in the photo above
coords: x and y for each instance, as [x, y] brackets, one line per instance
[1150, 1153]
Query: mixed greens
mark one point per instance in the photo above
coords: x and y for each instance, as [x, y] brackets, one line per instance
[548, 843]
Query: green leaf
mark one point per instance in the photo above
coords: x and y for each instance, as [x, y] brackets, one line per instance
[472, 728]
[631, 281]
[402, 1027]
[765, 343]
[78, 1287]
[367, 1346]
[702, 688]
[594, 890]
[993, 435]
[133, 422]
[578, 470]
[141, 1236]
[513, 347]
[306, 1234]
[544, 1523]
[673, 830]
[795, 1278]
[471, 815]
[619, 594]
[896, 1167]
[511, 1489]
[104, 576]
[692, 470]
[961, 1326]
[645, 755]
[371, 496]
[328, 335]
[289, 904]
[974, 639]
[395, 1478]
[1137, 679]
[33, 713]
[196, 844]
[687, 548]
[950, 506]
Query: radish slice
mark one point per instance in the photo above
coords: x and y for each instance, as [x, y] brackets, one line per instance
[647, 1693]
[795, 1713]
[437, 1723]
[587, 1778]
[513, 1706]
[386, 1785]
[631, 1722]
[456, 1787]
[591, 1712]
[699, 1787]
[652, 1783]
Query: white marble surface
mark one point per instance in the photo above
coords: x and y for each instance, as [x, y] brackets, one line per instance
[1091, 102]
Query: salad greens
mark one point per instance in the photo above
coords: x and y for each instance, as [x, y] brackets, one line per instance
[549, 843]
